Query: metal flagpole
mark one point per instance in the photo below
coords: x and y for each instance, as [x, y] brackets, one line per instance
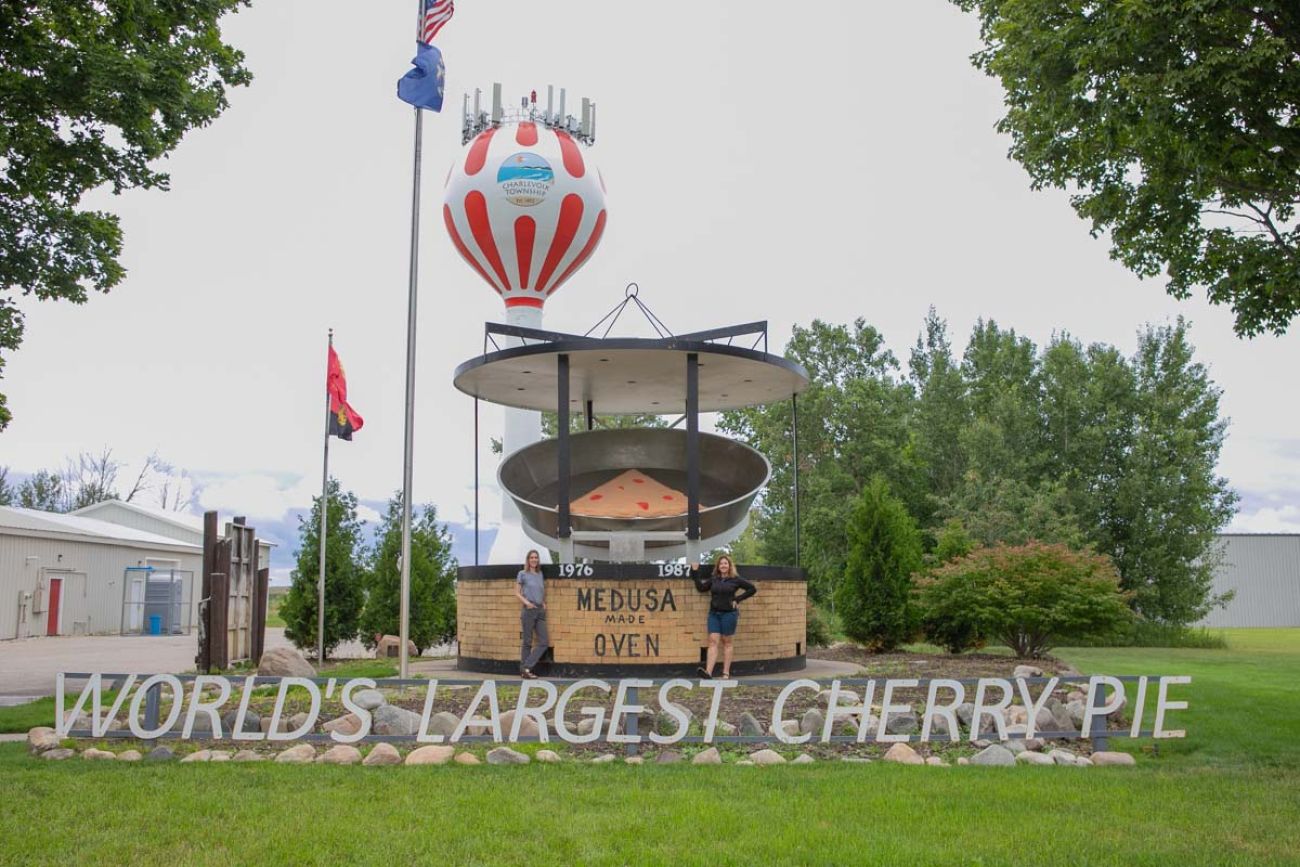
[409, 444]
[324, 510]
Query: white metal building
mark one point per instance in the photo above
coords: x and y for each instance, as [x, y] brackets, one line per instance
[1264, 571]
[181, 526]
[67, 574]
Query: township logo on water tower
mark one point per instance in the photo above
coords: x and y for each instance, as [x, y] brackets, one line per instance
[525, 178]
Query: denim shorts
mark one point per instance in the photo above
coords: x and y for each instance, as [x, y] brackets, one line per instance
[723, 622]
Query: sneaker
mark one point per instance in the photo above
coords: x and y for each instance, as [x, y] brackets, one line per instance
[704, 673]
[528, 675]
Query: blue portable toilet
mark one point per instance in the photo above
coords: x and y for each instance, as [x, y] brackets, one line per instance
[155, 624]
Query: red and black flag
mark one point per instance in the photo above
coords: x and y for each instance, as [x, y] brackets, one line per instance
[343, 419]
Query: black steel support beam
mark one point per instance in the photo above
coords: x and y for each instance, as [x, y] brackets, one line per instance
[537, 334]
[591, 417]
[563, 531]
[794, 436]
[692, 445]
[725, 331]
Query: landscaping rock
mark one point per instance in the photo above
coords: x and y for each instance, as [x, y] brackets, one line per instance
[527, 726]
[252, 722]
[707, 757]
[749, 724]
[390, 720]
[724, 728]
[550, 757]
[1108, 758]
[902, 723]
[248, 756]
[390, 647]
[1017, 715]
[634, 760]
[294, 722]
[1083, 762]
[603, 759]
[1076, 695]
[668, 757]
[936, 761]
[586, 726]
[58, 754]
[382, 754]
[1035, 744]
[197, 756]
[340, 754]
[348, 724]
[767, 757]
[368, 699]
[284, 662]
[962, 760]
[988, 724]
[444, 723]
[1063, 757]
[847, 698]
[1029, 757]
[129, 756]
[1026, 671]
[1016, 746]
[812, 722]
[467, 759]
[479, 725]
[220, 755]
[902, 754]
[435, 754]
[302, 754]
[97, 754]
[1044, 721]
[745, 762]
[803, 759]
[994, 754]
[965, 711]
[789, 726]
[160, 754]
[1074, 710]
[939, 728]
[506, 756]
[1063, 722]
[40, 739]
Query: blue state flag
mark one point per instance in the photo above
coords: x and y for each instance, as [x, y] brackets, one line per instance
[422, 86]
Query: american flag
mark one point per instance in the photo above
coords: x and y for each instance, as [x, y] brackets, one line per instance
[436, 14]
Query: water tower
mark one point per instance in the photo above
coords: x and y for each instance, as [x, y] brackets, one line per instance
[525, 207]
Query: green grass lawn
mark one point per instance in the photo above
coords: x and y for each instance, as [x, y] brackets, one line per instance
[1230, 793]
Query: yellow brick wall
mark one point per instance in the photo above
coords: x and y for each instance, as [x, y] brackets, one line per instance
[487, 612]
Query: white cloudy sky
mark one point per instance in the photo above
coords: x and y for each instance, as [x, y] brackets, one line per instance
[838, 160]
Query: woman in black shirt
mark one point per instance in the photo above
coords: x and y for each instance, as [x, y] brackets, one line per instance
[724, 611]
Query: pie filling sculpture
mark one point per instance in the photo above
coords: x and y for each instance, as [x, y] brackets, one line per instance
[631, 494]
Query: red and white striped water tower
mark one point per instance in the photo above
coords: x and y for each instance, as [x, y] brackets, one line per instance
[525, 206]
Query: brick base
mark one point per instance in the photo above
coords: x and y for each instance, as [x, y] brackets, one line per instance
[627, 623]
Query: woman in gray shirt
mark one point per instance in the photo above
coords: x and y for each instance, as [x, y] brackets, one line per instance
[532, 595]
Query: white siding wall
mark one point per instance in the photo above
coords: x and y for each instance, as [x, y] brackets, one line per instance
[124, 516]
[1264, 570]
[96, 601]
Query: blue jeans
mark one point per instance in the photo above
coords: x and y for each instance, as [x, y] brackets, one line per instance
[723, 622]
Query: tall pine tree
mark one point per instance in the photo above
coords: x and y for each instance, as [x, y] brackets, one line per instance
[344, 589]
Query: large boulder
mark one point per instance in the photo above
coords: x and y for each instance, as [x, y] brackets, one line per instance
[435, 754]
[284, 662]
[994, 754]
[389, 720]
[302, 754]
[904, 755]
[40, 739]
[382, 754]
[390, 647]
[368, 699]
[506, 756]
[340, 754]
[811, 723]
[252, 722]
[527, 726]
[767, 757]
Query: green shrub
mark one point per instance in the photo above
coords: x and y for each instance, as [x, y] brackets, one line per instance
[819, 630]
[874, 598]
[1026, 596]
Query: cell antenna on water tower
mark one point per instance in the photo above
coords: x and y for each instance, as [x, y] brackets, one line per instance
[525, 208]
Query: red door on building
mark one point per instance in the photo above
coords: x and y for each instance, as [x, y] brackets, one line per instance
[56, 597]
